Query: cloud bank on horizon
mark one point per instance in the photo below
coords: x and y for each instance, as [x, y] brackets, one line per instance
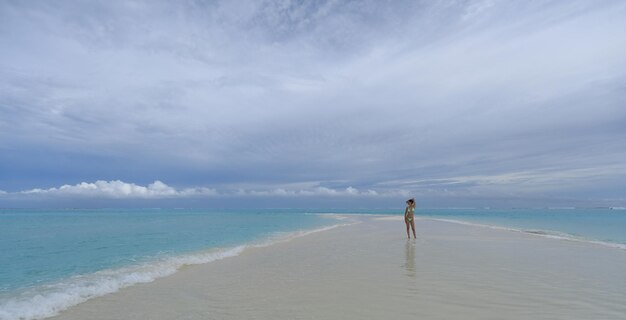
[486, 101]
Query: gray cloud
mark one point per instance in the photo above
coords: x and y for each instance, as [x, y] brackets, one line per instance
[476, 98]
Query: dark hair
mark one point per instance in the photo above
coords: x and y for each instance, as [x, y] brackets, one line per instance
[411, 201]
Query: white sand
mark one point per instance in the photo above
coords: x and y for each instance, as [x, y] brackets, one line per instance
[370, 271]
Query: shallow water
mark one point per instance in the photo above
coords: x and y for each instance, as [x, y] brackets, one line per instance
[57, 258]
[600, 224]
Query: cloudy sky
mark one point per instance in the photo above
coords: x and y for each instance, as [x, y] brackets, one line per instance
[313, 103]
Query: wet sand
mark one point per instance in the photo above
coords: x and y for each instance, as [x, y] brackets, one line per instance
[369, 270]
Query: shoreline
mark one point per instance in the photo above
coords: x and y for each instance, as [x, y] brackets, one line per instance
[345, 262]
[68, 293]
[548, 234]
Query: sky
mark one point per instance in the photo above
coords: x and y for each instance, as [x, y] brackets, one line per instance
[312, 103]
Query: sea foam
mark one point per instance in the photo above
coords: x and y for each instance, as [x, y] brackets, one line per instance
[48, 300]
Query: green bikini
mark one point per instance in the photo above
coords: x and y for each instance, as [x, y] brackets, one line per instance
[411, 210]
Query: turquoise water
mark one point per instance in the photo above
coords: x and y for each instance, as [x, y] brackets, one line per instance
[50, 260]
[42, 246]
[605, 225]
[53, 259]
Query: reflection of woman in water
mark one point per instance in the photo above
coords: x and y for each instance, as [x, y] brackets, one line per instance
[409, 217]
[410, 258]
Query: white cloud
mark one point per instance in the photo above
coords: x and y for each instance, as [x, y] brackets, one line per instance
[121, 189]
[117, 189]
[318, 191]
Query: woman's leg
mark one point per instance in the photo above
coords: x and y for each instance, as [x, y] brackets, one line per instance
[412, 228]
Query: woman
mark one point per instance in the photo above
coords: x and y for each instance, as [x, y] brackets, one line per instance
[409, 217]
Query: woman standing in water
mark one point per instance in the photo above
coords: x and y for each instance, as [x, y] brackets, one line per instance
[409, 217]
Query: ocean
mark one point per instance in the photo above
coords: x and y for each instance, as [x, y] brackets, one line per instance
[604, 226]
[53, 259]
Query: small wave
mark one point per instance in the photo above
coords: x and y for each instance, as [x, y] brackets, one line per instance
[570, 237]
[550, 233]
[542, 233]
[48, 300]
